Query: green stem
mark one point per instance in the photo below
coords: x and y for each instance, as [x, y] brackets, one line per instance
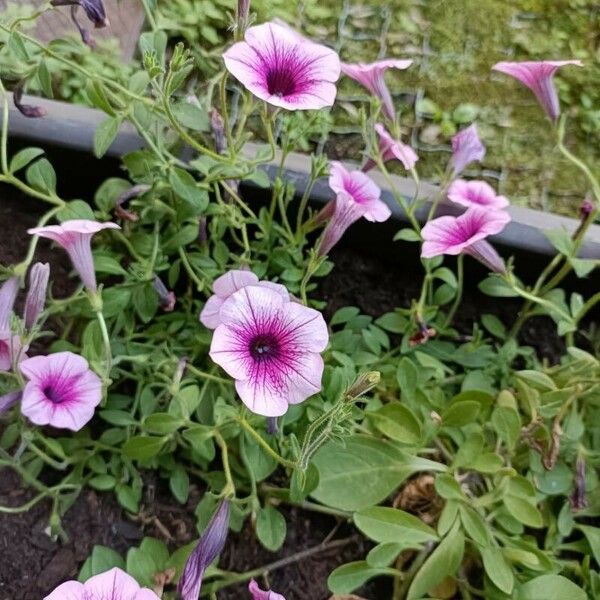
[282, 461]
[107, 347]
[229, 490]
[459, 290]
[190, 271]
[208, 376]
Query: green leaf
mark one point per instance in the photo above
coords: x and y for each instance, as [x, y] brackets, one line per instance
[259, 462]
[76, 209]
[592, 535]
[129, 498]
[348, 577]
[105, 135]
[407, 235]
[191, 116]
[494, 325]
[397, 422]
[343, 315]
[103, 263]
[460, 413]
[442, 562]
[198, 434]
[365, 472]
[447, 487]
[537, 380]
[583, 266]
[383, 555]
[561, 240]
[408, 378]
[162, 423]
[41, 176]
[498, 569]
[474, 525]
[179, 483]
[23, 158]
[523, 510]
[550, 587]
[102, 559]
[271, 528]
[145, 301]
[96, 93]
[495, 286]
[141, 566]
[118, 417]
[102, 483]
[507, 423]
[16, 45]
[383, 524]
[143, 447]
[185, 186]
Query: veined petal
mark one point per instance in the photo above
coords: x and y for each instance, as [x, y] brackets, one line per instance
[71, 590]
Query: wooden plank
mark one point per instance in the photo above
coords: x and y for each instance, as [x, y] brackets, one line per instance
[126, 20]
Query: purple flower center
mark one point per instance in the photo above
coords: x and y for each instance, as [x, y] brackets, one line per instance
[264, 347]
[281, 81]
[52, 394]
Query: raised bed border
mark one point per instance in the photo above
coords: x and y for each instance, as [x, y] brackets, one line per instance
[72, 126]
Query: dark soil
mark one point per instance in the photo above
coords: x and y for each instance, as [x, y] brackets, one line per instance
[31, 564]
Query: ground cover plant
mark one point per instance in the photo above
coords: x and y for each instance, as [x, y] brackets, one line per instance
[193, 346]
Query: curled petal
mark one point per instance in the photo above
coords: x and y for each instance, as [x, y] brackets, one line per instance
[466, 148]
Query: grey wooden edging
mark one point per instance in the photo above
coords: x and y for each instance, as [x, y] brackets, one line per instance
[72, 126]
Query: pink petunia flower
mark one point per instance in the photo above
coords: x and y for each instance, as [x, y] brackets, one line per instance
[284, 70]
[271, 347]
[111, 585]
[61, 390]
[391, 149]
[258, 594]
[76, 238]
[466, 148]
[466, 234]
[357, 195]
[9, 344]
[475, 193]
[538, 77]
[227, 284]
[372, 76]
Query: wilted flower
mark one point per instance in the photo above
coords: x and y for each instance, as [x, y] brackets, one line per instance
[372, 76]
[258, 594]
[94, 9]
[112, 585]
[357, 195]
[227, 284]
[284, 70]
[62, 391]
[133, 192]
[466, 234]
[9, 343]
[537, 76]
[36, 295]
[27, 110]
[271, 347]
[7, 401]
[211, 544]
[466, 148]
[76, 238]
[475, 193]
[166, 298]
[391, 149]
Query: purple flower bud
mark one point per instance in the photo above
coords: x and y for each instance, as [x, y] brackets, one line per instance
[586, 208]
[27, 110]
[243, 16]
[86, 37]
[211, 544]
[8, 295]
[133, 192]
[258, 594]
[578, 500]
[9, 400]
[166, 298]
[218, 128]
[94, 9]
[202, 231]
[36, 295]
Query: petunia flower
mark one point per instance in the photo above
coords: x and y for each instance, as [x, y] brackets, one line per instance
[211, 544]
[61, 390]
[391, 149]
[466, 148]
[372, 76]
[271, 347]
[111, 585]
[283, 70]
[227, 284]
[538, 77]
[258, 594]
[76, 238]
[466, 234]
[36, 295]
[357, 195]
[475, 193]
[9, 343]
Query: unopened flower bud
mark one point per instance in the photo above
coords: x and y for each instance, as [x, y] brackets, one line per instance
[27, 110]
[211, 544]
[272, 425]
[242, 16]
[36, 295]
[8, 401]
[364, 383]
[166, 298]
[578, 498]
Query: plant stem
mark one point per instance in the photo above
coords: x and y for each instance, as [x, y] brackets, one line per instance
[203, 375]
[282, 461]
[459, 289]
[229, 490]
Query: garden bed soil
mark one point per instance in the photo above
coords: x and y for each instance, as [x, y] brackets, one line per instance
[31, 564]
